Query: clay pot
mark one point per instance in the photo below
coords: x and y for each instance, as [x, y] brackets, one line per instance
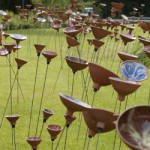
[69, 119]
[72, 31]
[4, 52]
[46, 114]
[130, 29]
[20, 62]
[147, 51]
[17, 47]
[54, 130]
[127, 38]
[9, 46]
[125, 56]
[39, 48]
[122, 26]
[12, 119]
[100, 33]
[99, 121]
[6, 35]
[49, 55]
[73, 104]
[97, 44]
[145, 42]
[135, 121]
[100, 76]
[124, 87]
[71, 41]
[34, 142]
[76, 64]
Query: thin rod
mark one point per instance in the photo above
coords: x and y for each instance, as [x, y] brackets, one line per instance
[17, 80]
[8, 99]
[116, 131]
[72, 85]
[15, 139]
[97, 141]
[85, 138]
[41, 129]
[93, 99]
[10, 84]
[88, 144]
[33, 96]
[52, 145]
[41, 100]
[66, 139]
[60, 137]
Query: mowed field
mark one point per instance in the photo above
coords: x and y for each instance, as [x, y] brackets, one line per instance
[105, 98]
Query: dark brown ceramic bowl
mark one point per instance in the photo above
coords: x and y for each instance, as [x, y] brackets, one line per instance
[125, 56]
[124, 87]
[76, 64]
[133, 127]
[100, 76]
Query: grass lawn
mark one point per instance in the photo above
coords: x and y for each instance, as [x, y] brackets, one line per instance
[105, 98]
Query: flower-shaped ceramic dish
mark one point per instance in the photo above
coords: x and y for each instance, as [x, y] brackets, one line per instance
[133, 70]
[4, 52]
[18, 37]
[73, 104]
[76, 64]
[125, 56]
[133, 127]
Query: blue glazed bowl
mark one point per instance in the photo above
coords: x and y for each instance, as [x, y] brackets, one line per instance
[133, 70]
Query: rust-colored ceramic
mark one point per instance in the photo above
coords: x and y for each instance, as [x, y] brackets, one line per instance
[9, 46]
[100, 76]
[4, 52]
[118, 6]
[76, 64]
[125, 56]
[133, 127]
[147, 51]
[124, 87]
[69, 119]
[72, 31]
[99, 33]
[97, 44]
[12, 119]
[73, 104]
[46, 114]
[99, 121]
[127, 38]
[17, 47]
[54, 130]
[20, 62]
[6, 35]
[71, 41]
[39, 48]
[49, 55]
[145, 42]
[34, 142]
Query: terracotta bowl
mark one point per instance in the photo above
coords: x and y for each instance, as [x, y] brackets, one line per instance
[76, 64]
[99, 33]
[34, 142]
[147, 51]
[99, 121]
[20, 62]
[100, 76]
[133, 127]
[125, 56]
[71, 41]
[46, 114]
[127, 38]
[54, 130]
[124, 87]
[145, 42]
[12, 119]
[73, 104]
[4, 52]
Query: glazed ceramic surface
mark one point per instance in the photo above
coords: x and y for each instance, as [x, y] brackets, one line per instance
[133, 70]
[18, 36]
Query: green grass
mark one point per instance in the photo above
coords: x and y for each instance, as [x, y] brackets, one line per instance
[103, 99]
